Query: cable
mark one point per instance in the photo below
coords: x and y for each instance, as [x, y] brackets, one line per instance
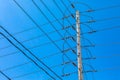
[39, 27]
[109, 69]
[31, 29]
[109, 28]
[68, 74]
[42, 25]
[70, 13]
[49, 20]
[5, 75]
[63, 60]
[43, 44]
[85, 75]
[66, 6]
[16, 66]
[27, 56]
[29, 51]
[52, 13]
[30, 72]
[2, 56]
[60, 29]
[105, 44]
[100, 9]
[26, 74]
[23, 75]
[29, 48]
[55, 18]
[94, 31]
[62, 12]
[100, 30]
[28, 62]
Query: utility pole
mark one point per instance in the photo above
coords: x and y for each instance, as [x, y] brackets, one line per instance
[79, 56]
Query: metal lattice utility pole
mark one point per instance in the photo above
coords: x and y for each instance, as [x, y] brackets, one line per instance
[79, 58]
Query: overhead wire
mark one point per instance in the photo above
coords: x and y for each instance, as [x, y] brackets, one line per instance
[51, 67]
[104, 8]
[56, 19]
[51, 25]
[38, 26]
[73, 24]
[43, 44]
[116, 55]
[59, 8]
[19, 76]
[12, 53]
[1, 72]
[101, 9]
[23, 75]
[52, 14]
[63, 12]
[81, 33]
[28, 62]
[42, 25]
[27, 56]
[83, 23]
[29, 52]
[100, 30]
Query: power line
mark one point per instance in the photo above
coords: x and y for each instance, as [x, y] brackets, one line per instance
[66, 6]
[2, 56]
[97, 57]
[39, 27]
[104, 29]
[51, 32]
[49, 20]
[109, 69]
[28, 56]
[104, 8]
[16, 66]
[23, 75]
[30, 52]
[32, 29]
[34, 72]
[28, 62]
[5, 75]
[100, 30]
[42, 25]
[89, 32]
[100, 9]
[63, 13]
[43, 44]
[51, 67]
[114, 43]
[55, 18]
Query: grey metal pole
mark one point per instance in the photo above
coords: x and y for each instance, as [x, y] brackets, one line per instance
[79, 58]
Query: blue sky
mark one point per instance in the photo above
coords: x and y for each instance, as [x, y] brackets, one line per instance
[36, 35]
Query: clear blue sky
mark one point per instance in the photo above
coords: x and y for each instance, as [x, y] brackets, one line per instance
[106, 40]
